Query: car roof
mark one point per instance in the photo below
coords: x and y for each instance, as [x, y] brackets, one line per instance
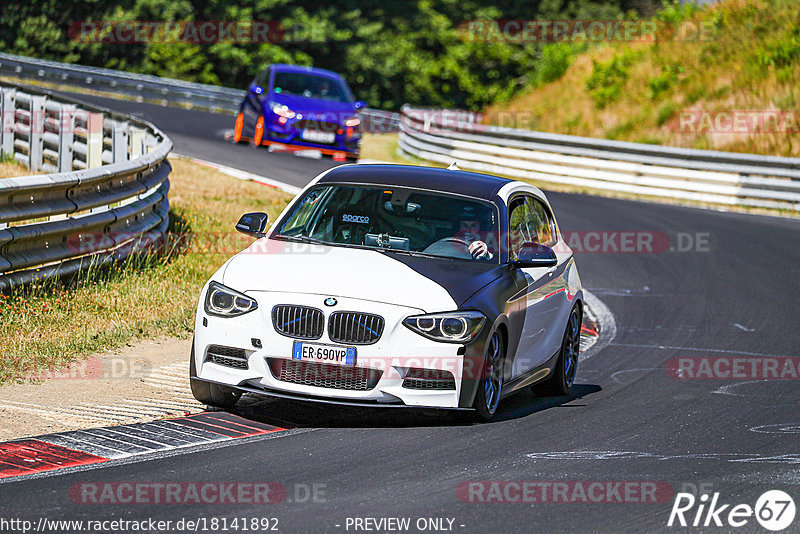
[472, 184]
[284, 67]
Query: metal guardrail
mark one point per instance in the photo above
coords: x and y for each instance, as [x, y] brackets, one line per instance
[702, 175]
[104, 199]
[167, 91]
[141, 86]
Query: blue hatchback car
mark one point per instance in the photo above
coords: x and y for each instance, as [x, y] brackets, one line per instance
[299, 108]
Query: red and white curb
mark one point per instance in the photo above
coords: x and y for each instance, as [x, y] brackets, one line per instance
[85, 447]
[599, 326]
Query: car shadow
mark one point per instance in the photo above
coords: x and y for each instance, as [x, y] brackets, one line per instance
[525, 403]
[294, 414]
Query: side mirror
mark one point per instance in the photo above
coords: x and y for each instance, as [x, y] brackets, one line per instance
[253, 224]
[536, 255]
[256, 89]
[360, 104]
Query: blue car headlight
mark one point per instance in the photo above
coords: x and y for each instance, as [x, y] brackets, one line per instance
[450, 327]
[281, 110]
[225, 302]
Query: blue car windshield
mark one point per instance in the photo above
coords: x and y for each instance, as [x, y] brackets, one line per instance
[394, 219]
[311, 86]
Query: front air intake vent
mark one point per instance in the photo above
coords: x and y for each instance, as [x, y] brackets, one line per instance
[227, 356]
[324, 375]
[430, 379]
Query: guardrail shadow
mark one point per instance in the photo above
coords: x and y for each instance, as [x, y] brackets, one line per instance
[160, 251]
[290, 413]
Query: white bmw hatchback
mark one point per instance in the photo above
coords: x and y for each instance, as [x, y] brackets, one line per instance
[394, 286]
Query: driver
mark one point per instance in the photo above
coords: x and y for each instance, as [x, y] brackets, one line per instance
[469, 230]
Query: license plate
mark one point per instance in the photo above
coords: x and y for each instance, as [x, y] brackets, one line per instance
[319, 352]
[316, 136]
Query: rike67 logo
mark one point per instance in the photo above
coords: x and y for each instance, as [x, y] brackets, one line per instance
[774, 510]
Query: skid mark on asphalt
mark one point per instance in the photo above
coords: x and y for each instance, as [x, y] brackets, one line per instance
[638, 455]
[701, 349]
[780, 428]
[617, 377]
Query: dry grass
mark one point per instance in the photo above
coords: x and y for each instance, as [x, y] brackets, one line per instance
[12, 169]
[381, 147]
[729, 71]
[50, 327]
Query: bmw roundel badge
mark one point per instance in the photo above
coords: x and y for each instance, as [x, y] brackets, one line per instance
[330, 301]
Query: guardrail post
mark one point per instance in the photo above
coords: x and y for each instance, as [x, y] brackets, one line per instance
[119, 142]
[94, 140]
[136, 140]
[66, 136]
[35, 133]
[8, 115]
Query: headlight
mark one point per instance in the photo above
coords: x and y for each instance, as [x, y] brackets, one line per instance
[451, 327]
[225, 302]
[352, 122]
[281, 110]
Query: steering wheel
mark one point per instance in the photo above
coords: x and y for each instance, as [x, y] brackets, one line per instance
[455, 240]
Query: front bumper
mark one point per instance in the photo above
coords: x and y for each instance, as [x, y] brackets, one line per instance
[290, 134]
[398, 350]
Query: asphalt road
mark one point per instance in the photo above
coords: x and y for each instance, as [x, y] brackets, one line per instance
[200, 134]
[733, 296]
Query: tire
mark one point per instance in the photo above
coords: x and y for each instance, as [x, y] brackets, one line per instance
[490, 387]
[563, 376]
[258, 131]
[211, 394]
[238, 128]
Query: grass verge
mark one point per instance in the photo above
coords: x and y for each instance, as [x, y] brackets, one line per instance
[47, 327]
[10, 168]
[734, 57]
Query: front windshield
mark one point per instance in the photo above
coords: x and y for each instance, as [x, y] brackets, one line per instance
[310, 86]
[396, 219]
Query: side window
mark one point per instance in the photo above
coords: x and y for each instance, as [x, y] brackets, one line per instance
[521, 225]
[300, 215]
[545, 229]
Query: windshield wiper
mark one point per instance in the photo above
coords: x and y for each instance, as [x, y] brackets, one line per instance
[299, 239]
[409, 252]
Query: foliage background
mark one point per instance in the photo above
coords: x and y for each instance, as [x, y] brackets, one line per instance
[391, 51]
